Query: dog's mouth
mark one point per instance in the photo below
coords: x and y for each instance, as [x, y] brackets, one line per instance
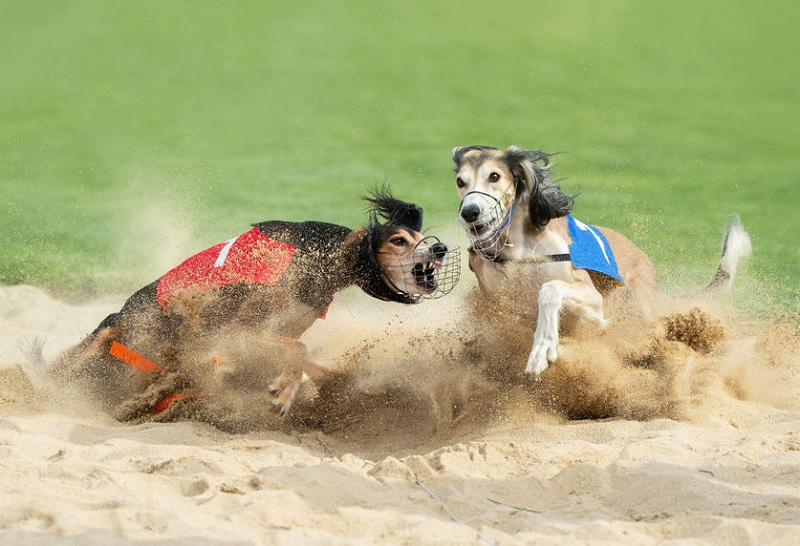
[431, 271]
[486, 221]
[478, 229]
[425, 276]
[489, 232]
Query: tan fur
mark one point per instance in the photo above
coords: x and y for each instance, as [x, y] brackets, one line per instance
[398, 248]
[518, 277]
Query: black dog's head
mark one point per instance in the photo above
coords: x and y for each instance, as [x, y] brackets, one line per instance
[400, 264]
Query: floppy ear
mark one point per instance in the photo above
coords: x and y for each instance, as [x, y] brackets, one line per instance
[528, 166]
[534, 156]
[394, 211]
[407, 215]
[460, 151]
[546, 199]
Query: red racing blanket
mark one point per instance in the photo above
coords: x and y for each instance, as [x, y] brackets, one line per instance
[251, 257]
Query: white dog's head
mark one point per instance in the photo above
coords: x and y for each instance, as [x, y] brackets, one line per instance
[492, 183]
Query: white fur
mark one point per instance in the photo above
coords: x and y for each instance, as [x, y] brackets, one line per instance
[736, 246]
[518, 276]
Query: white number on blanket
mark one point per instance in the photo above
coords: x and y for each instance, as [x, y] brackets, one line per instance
[223, 254]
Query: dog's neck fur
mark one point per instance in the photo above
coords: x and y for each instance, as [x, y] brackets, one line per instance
[341, 267]
[332, 258]
[358, 264]
[329, 258]
[527, 241]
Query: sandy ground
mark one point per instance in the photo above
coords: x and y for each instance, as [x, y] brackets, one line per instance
[627, 439]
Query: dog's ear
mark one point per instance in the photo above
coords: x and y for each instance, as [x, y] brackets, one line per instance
[535, 156]
[546, 200]
[528, 166]
[460, 151]
[394, 211]
[407, 215]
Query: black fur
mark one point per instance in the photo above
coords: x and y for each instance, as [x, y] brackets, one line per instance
[393, 211]
[326, 258]
[396, 213]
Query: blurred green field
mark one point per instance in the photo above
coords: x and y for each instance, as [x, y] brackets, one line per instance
[135, 133]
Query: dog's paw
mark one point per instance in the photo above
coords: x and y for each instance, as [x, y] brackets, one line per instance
[542, 355]
[284, 389]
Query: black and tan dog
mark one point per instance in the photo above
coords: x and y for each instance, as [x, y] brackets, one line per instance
[263, 288]
[533, 259]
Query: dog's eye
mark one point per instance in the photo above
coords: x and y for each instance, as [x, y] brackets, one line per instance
[460, 182]
[494, 177]
[398, 241]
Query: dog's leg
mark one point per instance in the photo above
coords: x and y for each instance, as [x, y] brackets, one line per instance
[579, 298]
[72, 363]
[286, 385]
[545, 338]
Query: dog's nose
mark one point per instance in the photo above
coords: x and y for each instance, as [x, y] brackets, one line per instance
[439, 250]
[470, 213]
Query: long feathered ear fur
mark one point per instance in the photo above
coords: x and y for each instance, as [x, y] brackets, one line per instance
[393, 211]
[531, 168]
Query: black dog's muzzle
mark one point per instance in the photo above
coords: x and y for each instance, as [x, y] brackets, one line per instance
[435, 269]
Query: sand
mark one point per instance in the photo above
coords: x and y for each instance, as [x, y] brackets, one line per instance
[649, 438]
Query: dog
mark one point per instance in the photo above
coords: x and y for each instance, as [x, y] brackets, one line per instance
[526, 255]
[266, 286]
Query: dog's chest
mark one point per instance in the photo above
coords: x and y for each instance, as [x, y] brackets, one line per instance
[514, 285]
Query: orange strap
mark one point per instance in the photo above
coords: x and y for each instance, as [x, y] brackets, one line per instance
[142, 364]
[133, 358]
[167, 402]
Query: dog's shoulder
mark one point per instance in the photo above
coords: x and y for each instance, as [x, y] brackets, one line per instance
[305, 235]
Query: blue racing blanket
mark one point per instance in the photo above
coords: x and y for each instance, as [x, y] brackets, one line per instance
[590, 249]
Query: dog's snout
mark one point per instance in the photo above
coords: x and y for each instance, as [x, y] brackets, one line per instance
[439, 250]
[470, 213]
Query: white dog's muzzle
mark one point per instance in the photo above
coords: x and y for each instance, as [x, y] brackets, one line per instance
[486, 222]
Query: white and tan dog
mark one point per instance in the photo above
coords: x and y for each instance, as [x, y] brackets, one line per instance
[534, 259]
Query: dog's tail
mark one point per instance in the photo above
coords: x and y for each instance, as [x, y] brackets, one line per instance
[735, 246]
[33, 355]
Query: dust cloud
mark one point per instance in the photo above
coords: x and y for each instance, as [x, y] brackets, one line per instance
[408, 378]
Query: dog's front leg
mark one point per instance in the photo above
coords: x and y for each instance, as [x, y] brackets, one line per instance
[72, 363]
[580, 298]
[286, 385]
[545, 338]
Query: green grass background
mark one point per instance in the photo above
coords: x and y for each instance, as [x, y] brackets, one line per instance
[135, 133]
